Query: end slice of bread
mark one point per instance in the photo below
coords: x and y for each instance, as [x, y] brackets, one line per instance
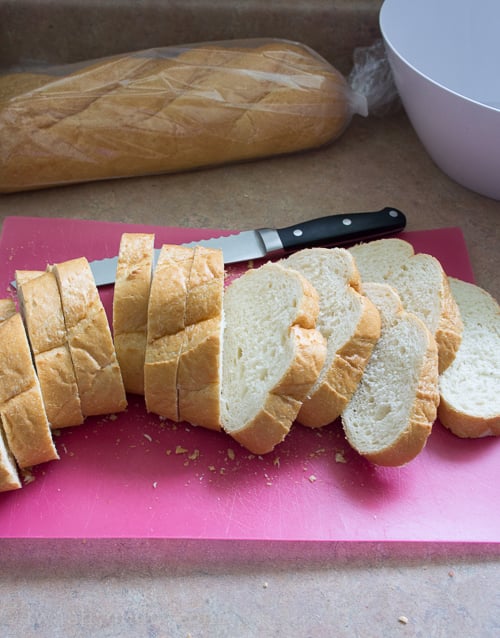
[40, 304]
[272, 354]
[390, 416]
[421, 284]
[470, 387]
[90, 343]
[130, 307]
[350, 323]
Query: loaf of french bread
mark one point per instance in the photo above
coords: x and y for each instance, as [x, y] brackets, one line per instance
[298, 340]
[167, 110]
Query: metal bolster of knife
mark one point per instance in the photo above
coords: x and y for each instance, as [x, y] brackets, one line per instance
[271, 240]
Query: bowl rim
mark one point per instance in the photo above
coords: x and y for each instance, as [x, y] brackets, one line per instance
[389, 43]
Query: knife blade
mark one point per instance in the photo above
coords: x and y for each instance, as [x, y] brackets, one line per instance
[269, 242]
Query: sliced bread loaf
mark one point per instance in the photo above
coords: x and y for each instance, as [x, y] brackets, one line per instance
[130, 307]
[350, 323]
[97, 372]
[390, 416]
[470, 387]
[272, 354]
[422, 286]
[40, 305]
[22, 411]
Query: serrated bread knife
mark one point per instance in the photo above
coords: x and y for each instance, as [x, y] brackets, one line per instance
[270, 242]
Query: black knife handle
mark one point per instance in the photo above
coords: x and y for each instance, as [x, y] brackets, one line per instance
[342, 229]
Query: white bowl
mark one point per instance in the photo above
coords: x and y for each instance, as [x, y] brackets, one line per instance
[445, 59]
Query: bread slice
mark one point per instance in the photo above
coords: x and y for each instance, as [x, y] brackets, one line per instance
[470, 387]
[422, 286]
[130, 307]
[97, 372]
[9, 477]
[390, 416]
[350, 323]
[377, 259]
[182, 369]
[41, 308]
[7, 309]
[22, 411]
[272, 354]
[165, 329]
[199, 374]
[199, 366]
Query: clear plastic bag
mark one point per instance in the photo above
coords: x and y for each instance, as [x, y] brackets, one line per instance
[169, 110]
[371, 76]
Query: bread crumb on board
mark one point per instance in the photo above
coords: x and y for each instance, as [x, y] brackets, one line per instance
[27, 476]
[339, 457]
[403, 620]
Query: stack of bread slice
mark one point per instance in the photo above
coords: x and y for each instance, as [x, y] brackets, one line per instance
[184, 336]
[376, 335]
[58, 364]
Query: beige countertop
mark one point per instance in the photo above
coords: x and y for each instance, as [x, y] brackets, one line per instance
[181, 588]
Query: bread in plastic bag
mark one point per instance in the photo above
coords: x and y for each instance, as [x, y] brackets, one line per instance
[168, 110]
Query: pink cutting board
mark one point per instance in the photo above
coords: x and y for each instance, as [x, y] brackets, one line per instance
[137, 476]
